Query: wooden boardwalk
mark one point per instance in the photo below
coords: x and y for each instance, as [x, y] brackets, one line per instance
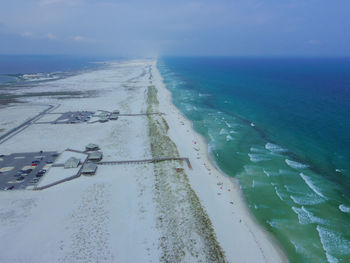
[142, 114]
[155, 160]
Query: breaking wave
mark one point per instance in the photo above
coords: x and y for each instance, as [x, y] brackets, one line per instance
[274, 148]
[343, 208]
[296, 165]
[311, 185]
[229, 138]
[256, 158]
[306, 217]
[307, 199]
[333, 242]
[223, 131]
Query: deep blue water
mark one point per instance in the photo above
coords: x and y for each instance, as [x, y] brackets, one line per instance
[282, 127]
[13, 67]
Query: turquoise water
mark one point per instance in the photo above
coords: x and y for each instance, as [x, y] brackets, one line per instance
[282, 127]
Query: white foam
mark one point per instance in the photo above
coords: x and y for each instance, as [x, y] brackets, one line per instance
[311, 185]
[296, 165]
[343, 208]
[223, 131]
[250, 170]
[227, 124]
[331, 259]
[269, 173]
[257, 183]
[39, 77]
[256, 158]
[278, 223]
[341, 171]
[306, 217]
[299, 248]
[274, 148]
[333, 242]
[252, 124]
[229, 138]
[257, 150]
[279, 194]
[307, 199]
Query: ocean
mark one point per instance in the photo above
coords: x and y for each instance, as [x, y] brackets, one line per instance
[281, 126]
[20, 71]
[15, 68]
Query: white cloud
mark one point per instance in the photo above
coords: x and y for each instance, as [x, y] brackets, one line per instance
[83, 39]
[27, 34]
[51, 36]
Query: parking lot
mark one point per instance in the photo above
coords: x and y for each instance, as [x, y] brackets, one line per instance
[20, 170]
[74, 117]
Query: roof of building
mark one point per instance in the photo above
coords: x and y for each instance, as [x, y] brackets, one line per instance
[72, 162]
[103, 114]
[96, 155]
[89, 168]
[91, 146]
[113, 116]
[103, 119]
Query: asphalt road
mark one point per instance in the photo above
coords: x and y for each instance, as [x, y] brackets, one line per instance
[24, 125]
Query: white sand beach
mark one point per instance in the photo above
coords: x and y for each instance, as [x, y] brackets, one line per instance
[135, 212]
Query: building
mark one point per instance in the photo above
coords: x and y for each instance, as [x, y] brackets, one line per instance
[95, 156]
[113, 116]
[91, 147]
[103, 119]
[72, 162]
[103, 114]
[89, 169]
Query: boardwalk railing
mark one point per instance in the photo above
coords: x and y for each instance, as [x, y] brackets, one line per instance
[155, 160]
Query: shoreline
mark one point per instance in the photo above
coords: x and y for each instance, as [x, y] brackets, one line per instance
[126, 213]
[272, 253]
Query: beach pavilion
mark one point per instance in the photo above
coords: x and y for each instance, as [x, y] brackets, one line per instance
[95, 156]
[72, 162]
[89, 169]
[91, 147]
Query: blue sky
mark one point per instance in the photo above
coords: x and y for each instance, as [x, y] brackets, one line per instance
[161, 27]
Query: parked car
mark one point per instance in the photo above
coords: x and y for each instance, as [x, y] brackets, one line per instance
[20, 178]
[49, 161]
[9, 188]
[42, 171]
[20, 173]
[34, 180]
[39, 175]
[54, 154]
[34, 164]
[28, 171]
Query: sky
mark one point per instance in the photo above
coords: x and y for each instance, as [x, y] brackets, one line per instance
[151, 28]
